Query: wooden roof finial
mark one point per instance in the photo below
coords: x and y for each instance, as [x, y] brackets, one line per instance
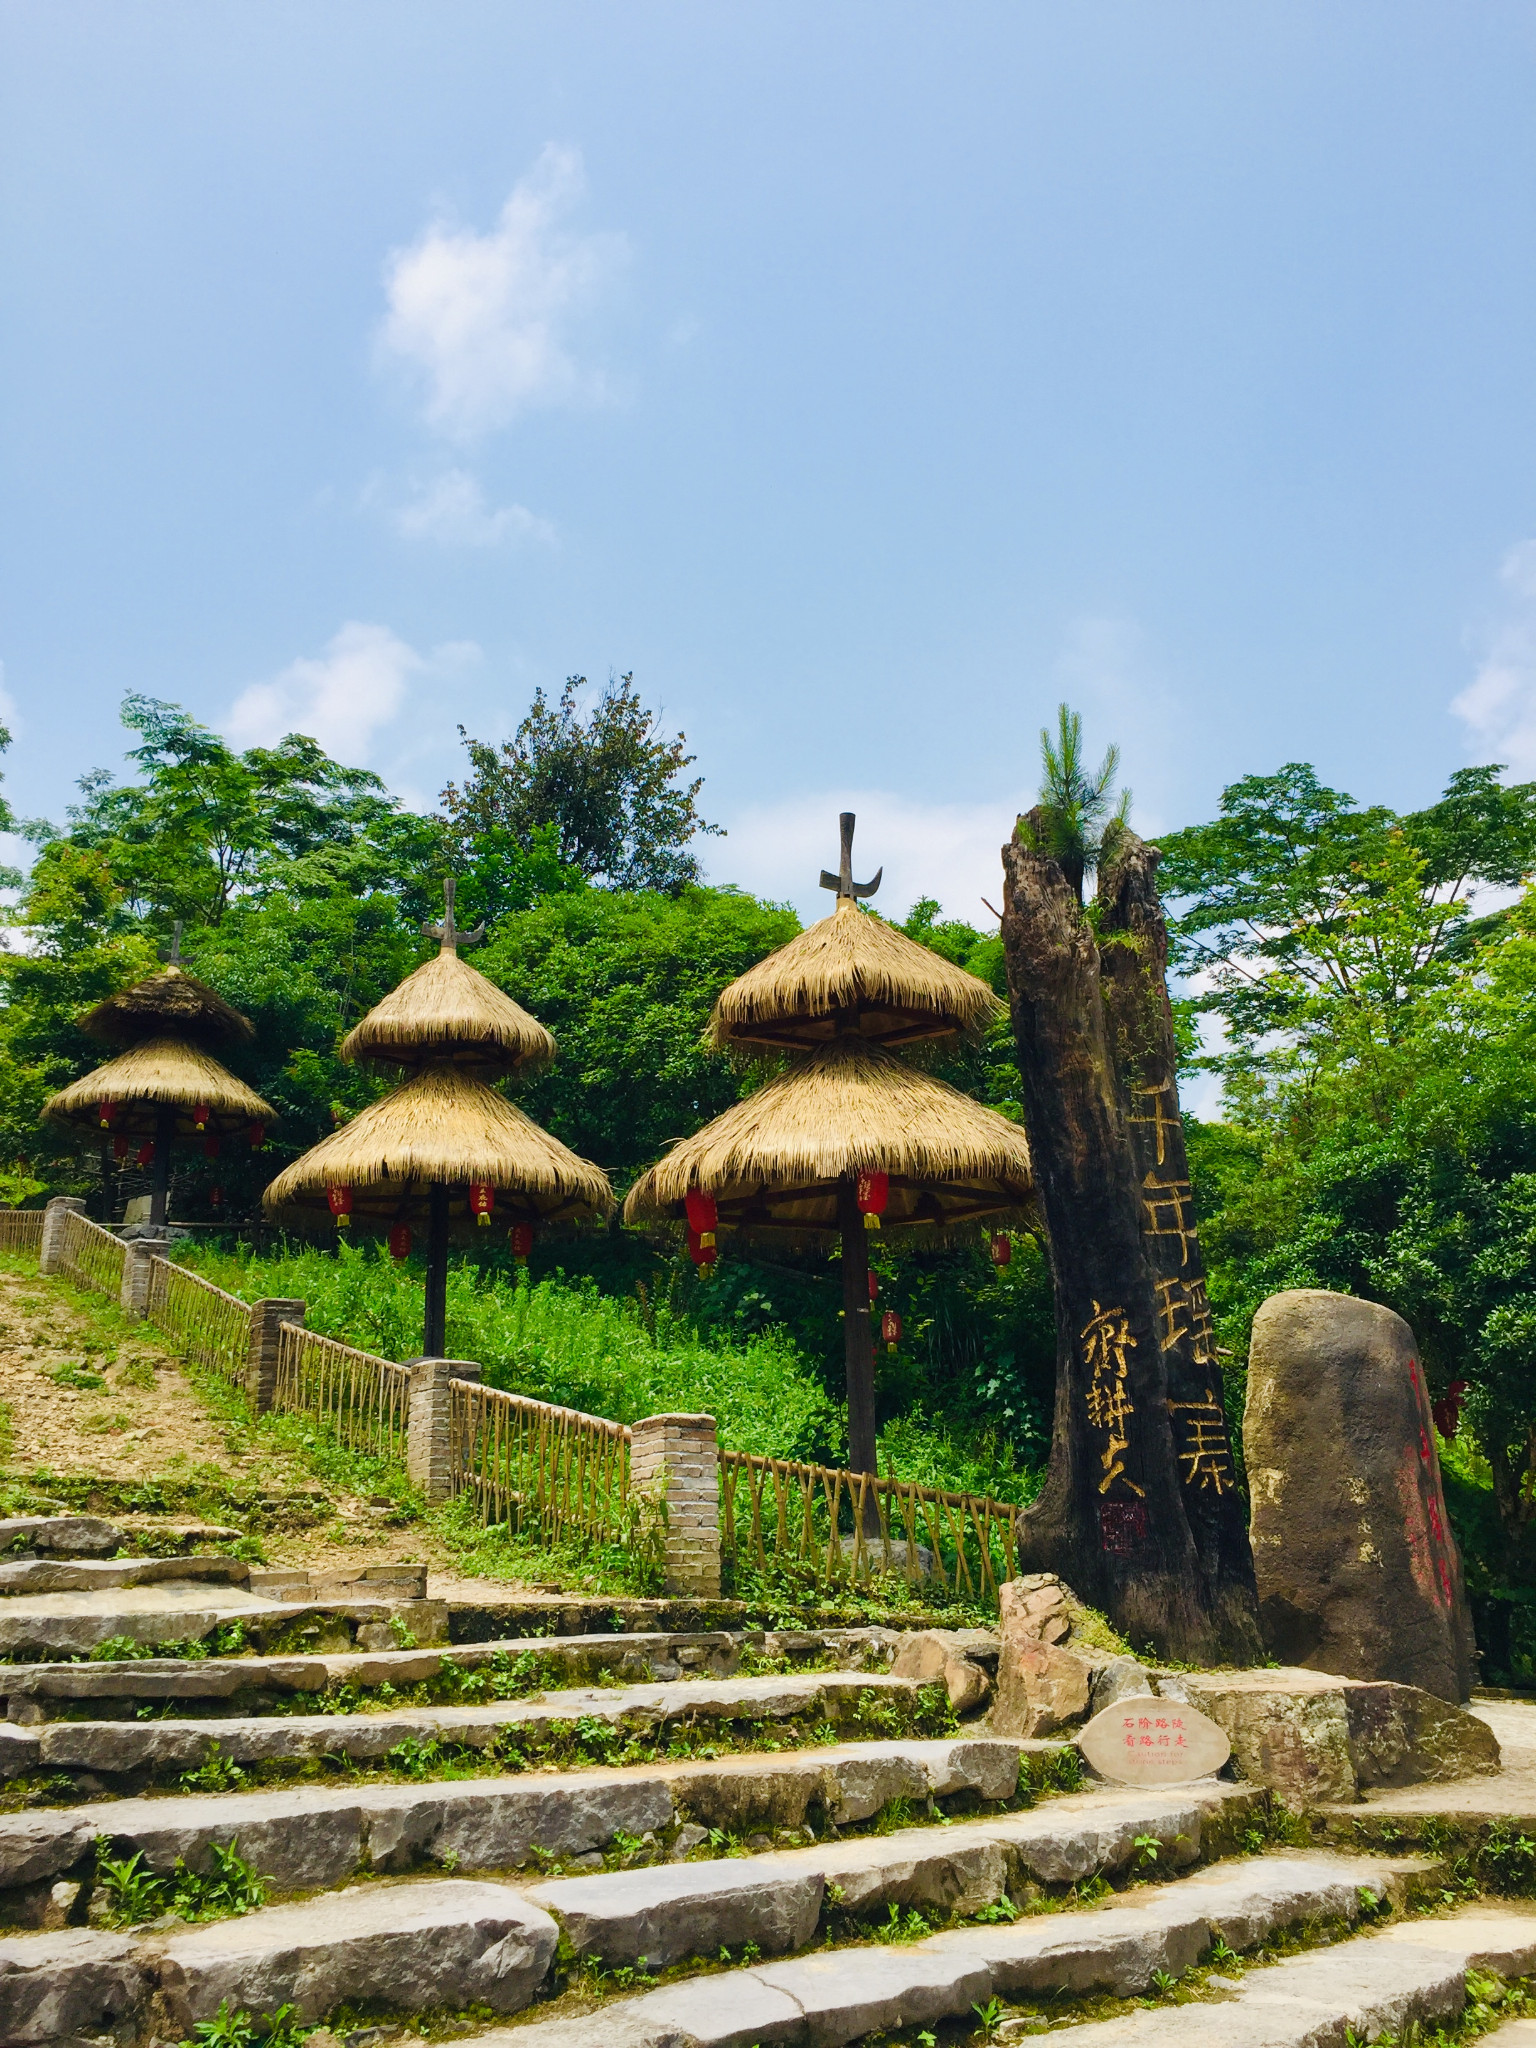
[453, 940]
[847, 888]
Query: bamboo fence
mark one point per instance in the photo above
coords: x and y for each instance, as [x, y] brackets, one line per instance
[91, 1256]
[209, 1324]
[817, 1517]
[21, 1230]
[534, 1465]
[364, 1401]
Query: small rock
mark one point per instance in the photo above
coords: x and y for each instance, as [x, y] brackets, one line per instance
[1041, 1688]
[591, 1860]
[23, 1712]
[1215, 1984]
[689, 1838]
[759, 1841]
[1016, 2022]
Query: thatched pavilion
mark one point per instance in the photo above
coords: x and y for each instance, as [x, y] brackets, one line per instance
[444, 1148]
[846, 1136]
[165, 1086]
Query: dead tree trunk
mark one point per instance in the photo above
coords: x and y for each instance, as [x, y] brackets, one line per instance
[1133, 959]
[1110, 1518]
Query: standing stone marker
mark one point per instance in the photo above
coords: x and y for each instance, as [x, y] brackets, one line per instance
[1143, 1741]
[1358, 1571]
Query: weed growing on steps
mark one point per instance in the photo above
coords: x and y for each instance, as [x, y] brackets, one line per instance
[131, 1893]
[237, 2029]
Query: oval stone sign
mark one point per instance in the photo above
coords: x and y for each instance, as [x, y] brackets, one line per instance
[1143, 1741]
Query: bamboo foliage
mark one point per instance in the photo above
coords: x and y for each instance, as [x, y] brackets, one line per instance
[775, 1511]
[364, 1401]
[208, 1324]
[91, 1256]
[21, 1230]
[536, 1466]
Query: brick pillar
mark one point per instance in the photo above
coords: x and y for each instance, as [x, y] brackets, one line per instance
[674, 1458]
[426, 1436]
[267, 1317]
[137, 1253]
[57, 1213]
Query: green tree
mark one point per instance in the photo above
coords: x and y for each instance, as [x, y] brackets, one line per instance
[611, 788]
[1078, 813]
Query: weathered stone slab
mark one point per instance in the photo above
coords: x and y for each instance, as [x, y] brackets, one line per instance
[102, 1575]
[1148, 1741]
[407, 1947]
[1040, 1688]
[678, 1910]
[1358, 1571]
[1500, 1938]
[35, 1846]
[58, 1987]
[496, 1826]
[858, 1991]
[290, 1838]
[19, 1751]
[60, 1535]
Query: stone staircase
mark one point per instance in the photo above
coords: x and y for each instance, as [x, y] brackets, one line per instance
[646, 1838]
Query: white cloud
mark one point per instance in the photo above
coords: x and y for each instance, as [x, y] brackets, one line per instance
[484, 319]
[342, 697]
[452, 511]
[951, 851]
[1498, 707]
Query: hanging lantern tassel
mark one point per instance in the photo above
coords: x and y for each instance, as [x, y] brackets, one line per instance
[520, 1239]
[200, 1115]
[1002, 1249]
[119, 1148]
[340, 1200]
[873, 1191]
[702, 1250]
[146, 1153]
[107, 1111]
[258, 1136]
[890, 1329]
[400, 1241]
[215, 1198]
[482, 1200]
[703, 1221]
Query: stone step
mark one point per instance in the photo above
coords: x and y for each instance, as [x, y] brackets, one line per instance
[111, 1574]
[1383, 1983]
[410, 1948]
[776, 1900]
[830, 1996]
[49, 1692]
[170, 1609]
[119, 1756]
[315, 1835]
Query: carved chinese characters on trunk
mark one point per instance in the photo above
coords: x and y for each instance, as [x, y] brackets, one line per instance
[1106, 1340]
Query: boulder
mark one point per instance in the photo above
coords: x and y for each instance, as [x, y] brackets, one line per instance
[950, 1655]
[1040, 1688]
[1313, 1739]
[1358, 1572]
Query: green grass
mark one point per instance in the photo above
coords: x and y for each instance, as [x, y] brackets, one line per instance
[552, 1341]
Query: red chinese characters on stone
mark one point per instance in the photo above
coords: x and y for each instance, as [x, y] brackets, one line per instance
[1423, 1505]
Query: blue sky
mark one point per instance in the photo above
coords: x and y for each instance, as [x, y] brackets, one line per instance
[865, 378]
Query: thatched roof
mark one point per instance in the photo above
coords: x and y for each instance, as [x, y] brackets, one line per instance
[170, 1003]
[157, 1072]
[442, 1126]
[774, 1160]
[448, 1011]
[851, 968]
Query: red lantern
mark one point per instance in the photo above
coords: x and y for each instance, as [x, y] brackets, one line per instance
[258, 1136]
[874, 1285]
[520, 1238]
[200, 1115]
[211, 1145]
[482, 1200]
[873, 1190]
[1002, 1249]
[703, 1217]
[340, 1200]
[146, 1152]
[890, 1329]
[119, 1148]
[107, 1111]
[702, 1250]
[1447, 1410]
[216, 1198]
[400, 1241]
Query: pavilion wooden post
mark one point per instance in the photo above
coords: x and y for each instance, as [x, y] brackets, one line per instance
[434, 1339]
[1110, 1518]
[858, 1342]
[160, 1185]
